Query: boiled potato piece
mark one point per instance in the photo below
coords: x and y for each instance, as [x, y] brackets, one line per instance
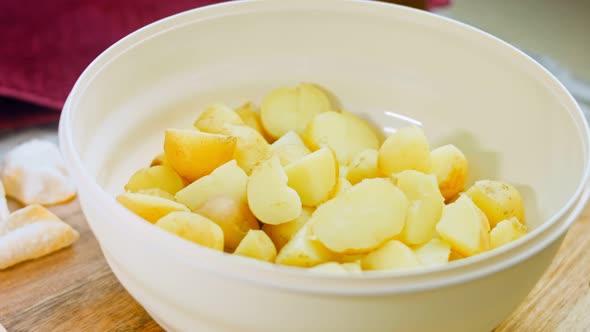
[342, 186]
[417, 185]
[157, 192]
[450, 167]
[215, 116]
[362, 218]
[314, 176]
[506, 231]
[464, 227]
[270, 198]
[160, 177]
[287, 109]
[363, 166]
[256, 244]
[330, 267]
[226, 180]
[149, 207]
[304, 250]
[251, 118]
[354, 267]
[433, 253]
[160, 160]
[194, 154]
[281, 234]
[232, 215]
[193, 227]
[498, 200]
[346, 134]
[251, 147]
[288, 148]
[405, 149]
[393, 255]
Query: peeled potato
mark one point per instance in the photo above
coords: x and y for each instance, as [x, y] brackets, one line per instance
[287, 109]
[160, 177]
[193, 227]
[450, 167]
[304, 250]
[346, 134]
[464, 227]
[149, 207]
[256, 244]
[232, 215]
[314, 176]
[406, 149]
[194, 154]
[226, 180]
[157, 192]
[342, 186]
[270, 198]
[362, 218]
[288, 148]
[251, 147]
[363, 166]
[433, 253]
[282, 233]
[393, 255]
[498, 200]
[160, 160]
[416, 185]
[251, 119]
[506, 231]
[215, 116]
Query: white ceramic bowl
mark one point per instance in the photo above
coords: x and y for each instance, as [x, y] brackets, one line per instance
[513, 120]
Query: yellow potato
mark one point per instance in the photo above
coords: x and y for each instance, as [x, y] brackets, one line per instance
[215, 116]
[344, 133]
[363, 166]
[251, 147]
[251, 119]
[232, 215]
[464, 227]
[304, 250]
[270, 198]
[287, 109]
[314, 176]
[498, 200]
[160, 160]
[405, 149]
[282, 233]
[256, 244]
[330, 267]
[354, 267]
[160, 177]
[341, 187]
[393, 255]
[433, 253]
[193, 227]
[289, 148]
[226, 180]
[506, 231]
[361, 219]
[193, 154]
[450, 167]
[417, 185]
[157, 192]
[149, 207]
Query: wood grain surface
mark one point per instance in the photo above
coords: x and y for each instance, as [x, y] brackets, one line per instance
[74, 290]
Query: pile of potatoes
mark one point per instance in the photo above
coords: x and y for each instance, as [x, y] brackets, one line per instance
[305, 184]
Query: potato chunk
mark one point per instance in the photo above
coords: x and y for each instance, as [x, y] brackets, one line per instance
[498, 200]
[256, 244]
[364, 166]
[288, 148]
[393, 255]
[251, 118]
[506, 231]
[155, 177]
[433, 253]
[193, 227]
[281, 234]
[450, 167]
[406, 149]
[215, 117]
[251, 147]
[149, 207]
[304, 250]
[314, 176]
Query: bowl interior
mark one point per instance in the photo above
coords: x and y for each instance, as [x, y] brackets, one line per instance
[511, 118]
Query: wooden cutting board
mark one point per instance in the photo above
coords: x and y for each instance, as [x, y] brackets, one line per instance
[74, 290]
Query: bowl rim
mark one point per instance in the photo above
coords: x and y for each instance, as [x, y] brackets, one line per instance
[374, 282]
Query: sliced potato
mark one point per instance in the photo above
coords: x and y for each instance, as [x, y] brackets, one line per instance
[314, 176]
[288, 148]
[304, 250]
[464, 227]
[450, 167]
[364, 166]
[361, 219]
[346, 134]
[160, 160]
[506, 231]
[149, 207]
[226, 180]
[287, 109]
[251, 147]
[393, 255]
[406, 149]
[341, 187]
[160, 177]
[282, 233]
[215, 116]
[194, 154]
[270, 198]
[157, 192]
[232, 215]
[433, 253]
[193, 227]
[256, 244]
[251, 118]
[498, 200]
